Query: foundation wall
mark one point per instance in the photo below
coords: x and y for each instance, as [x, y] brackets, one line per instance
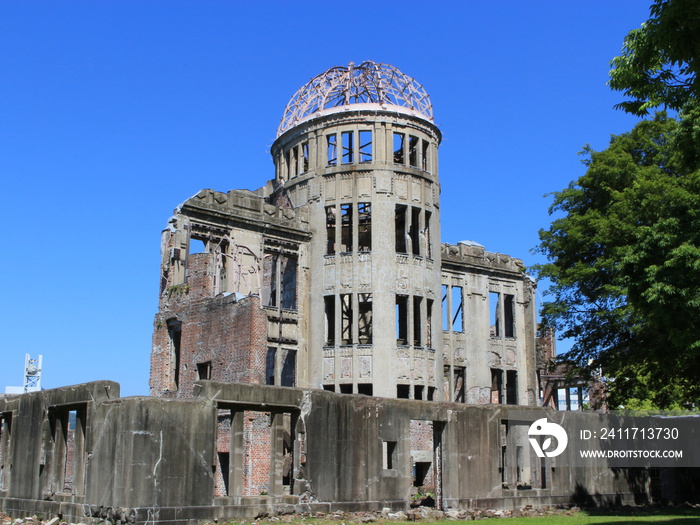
[164, 460]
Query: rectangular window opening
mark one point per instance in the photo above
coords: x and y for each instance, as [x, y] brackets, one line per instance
[365, 389]
[289, 283]
[431, 393]
[270, 366]
[417, 324]
[460, 386]
[415, 232]
[421, 470]
[305, 157]
[403, 391]
[329, 388]
[413, 151]
[424, 157]
[330, 230]
[512, 387]
[204, 370]
[224, 466]
[346, 228]
[400, 224]
[289, 368]
[329, 301]
[365, 146]
[364, 225]
[508, 315]
[348, 138]
[457, 314]
[401, 320]
[426, 230]
[495, 313]
[389, 455]
[429, 324]
[332, 148]
[398, 148]
[295, 162]
[364, 327]
[418, 392]
[270, 269]
[175, 332]
[446, 318]
[346, 388]
[496, 386]
[346, 316]
[5, 440]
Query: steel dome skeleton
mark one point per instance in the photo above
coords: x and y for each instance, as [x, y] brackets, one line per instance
[368, 83]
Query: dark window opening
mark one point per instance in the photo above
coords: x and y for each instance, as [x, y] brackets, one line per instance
[459, 384]
[420, 473]
[401, 319]
[418, 392]
[289, 283]
[348, 147]
[365, 389]
[329, 388]
[346, 316]
[272, 261]
[330, 319]
[331, 141]
[417, 324]
[305, 157]
[289, 366]
[390, 459]
[346, 388]
[364, 220]
[424, 158]
[508, 315]
[400, 224]
[364, 328]
[270, 366]
[398, 148]
[431, 393]
[204, 370]
[330, 230]
[512, 387]
[496, 386]
[426, 230]
[294, 168]
[224, 465]
[346, 228]
[413, 151]
[175, 332]
[414, 232]
[403, 391]
[365, 146]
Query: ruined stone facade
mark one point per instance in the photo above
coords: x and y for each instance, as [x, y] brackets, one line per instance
[342, 248]
[328, 281]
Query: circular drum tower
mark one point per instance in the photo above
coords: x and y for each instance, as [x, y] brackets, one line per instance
[358, 147]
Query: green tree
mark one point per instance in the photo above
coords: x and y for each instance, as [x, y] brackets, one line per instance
[659, 62]
[624, 262]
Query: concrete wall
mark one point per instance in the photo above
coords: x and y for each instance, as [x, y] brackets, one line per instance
[158, 460]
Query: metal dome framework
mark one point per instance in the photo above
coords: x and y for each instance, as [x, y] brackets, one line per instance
[368, 83]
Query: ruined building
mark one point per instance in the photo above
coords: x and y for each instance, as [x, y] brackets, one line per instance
[342, 249]
[278, 309]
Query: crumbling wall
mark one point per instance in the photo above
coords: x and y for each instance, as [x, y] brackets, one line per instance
[223, 337]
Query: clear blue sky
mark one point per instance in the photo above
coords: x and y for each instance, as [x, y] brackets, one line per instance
[114, 112]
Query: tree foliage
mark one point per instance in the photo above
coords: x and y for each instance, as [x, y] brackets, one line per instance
[659, 62]
[624, 262]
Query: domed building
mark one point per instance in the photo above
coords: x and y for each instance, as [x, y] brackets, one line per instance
[342, 252]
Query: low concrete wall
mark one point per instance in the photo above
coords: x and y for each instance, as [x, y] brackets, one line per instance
[85, 454]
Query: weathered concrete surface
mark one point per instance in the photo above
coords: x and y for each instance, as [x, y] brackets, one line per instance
[157, 460]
